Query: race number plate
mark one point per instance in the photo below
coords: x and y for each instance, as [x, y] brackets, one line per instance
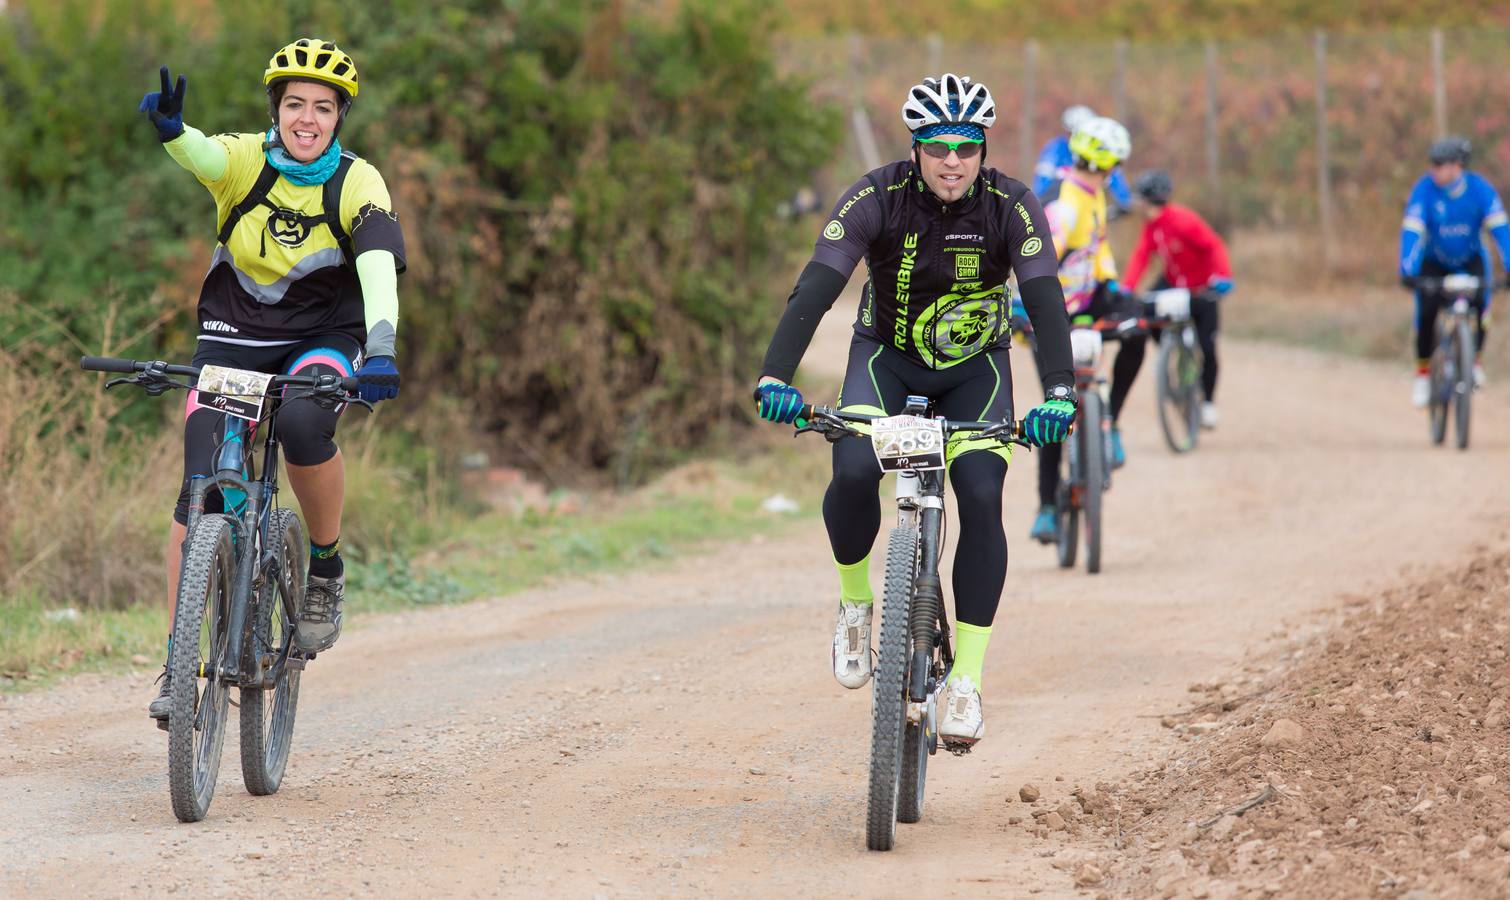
[235, 392]
[1085, 345]
[1459, 283]
[1172, 303]
[908, 442]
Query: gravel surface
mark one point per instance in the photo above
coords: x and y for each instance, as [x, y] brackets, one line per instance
[676, 732]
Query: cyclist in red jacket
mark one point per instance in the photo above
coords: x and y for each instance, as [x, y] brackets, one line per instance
[1194, 257]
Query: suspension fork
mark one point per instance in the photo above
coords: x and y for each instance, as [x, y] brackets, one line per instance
[927, 596]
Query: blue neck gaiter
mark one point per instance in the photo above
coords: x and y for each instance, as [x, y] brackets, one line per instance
[317, 172]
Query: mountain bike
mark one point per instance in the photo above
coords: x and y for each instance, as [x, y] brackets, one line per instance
[1177, 381]
[241, 582]
[1452, 360]
[914, 654]
[1087, 457]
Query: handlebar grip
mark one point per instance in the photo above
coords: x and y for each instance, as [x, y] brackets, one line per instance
[107, 364]
[351, 384]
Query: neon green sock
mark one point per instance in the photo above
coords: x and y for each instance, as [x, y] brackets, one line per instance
[854, 582]
[970, 654]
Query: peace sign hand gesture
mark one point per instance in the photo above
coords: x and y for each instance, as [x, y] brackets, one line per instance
[165, 108]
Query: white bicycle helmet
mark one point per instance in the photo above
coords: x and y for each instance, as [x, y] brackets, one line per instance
[1075, 116]
[948, 100]
[1102, 142]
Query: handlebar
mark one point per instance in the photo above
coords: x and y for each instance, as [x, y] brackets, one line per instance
[156, 377]
[835, 424]
[1438, 283]
[350, 384]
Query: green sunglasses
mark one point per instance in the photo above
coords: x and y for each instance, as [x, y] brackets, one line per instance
[938, 148]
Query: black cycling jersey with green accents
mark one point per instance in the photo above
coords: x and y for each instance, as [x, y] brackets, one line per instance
[937, 270]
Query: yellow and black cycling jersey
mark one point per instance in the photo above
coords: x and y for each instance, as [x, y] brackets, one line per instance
[281, 273]
[1077, 219]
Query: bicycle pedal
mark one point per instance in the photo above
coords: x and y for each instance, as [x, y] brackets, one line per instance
[162, 724]
[958, 748]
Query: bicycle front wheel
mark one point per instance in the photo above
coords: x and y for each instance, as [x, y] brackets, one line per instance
[1067, 535]
[1462, 393]
[196, 725]
[1440, 392]
[267, 713]
[890, 691]
[1093, 467]
[1178, 391]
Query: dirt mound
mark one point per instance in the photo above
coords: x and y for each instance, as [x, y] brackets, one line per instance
[1373, 763]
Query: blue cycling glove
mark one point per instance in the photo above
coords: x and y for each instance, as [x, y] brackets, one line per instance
[1220, 285]
[777, 402]
[379, 379]
[165, 108]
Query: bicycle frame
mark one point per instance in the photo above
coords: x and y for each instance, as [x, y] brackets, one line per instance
[920, 505]
[245, 666]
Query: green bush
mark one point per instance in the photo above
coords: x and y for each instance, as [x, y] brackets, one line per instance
[587, 190]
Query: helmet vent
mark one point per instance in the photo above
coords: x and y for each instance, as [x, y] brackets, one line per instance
[328, 46]
[339, 69]
[301, 57]
[322, 60]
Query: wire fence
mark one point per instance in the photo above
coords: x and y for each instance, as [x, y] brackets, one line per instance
[1321, 135]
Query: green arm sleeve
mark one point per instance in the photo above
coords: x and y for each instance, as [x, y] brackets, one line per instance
[207, 159]
[378, 272]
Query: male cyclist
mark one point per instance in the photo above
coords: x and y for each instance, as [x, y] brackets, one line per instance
[940, 235]
[1056, 161]
[1088, 275]
[303, 280]
[1447, 209]
[1194, 257]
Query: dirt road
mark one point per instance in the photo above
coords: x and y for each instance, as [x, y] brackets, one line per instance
[677, 732]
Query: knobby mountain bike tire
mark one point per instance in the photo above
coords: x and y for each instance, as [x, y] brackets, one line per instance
[1462, 395]
[889, 691]
[1441, 392]
[1093, 463]
[1067, 535]
[1178, 392]
[267, 714]
[196, 725]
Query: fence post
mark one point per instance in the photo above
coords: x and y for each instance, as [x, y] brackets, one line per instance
[859, 117]
[1029, 103]
[1438, 85]
[1323, 156]
[1213, 157]
[1119, 90]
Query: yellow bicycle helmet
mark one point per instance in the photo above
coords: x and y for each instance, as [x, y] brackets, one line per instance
[311, 59]
[1103, 143]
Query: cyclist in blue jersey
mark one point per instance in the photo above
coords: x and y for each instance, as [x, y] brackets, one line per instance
[1447, 210]
[1056, 159]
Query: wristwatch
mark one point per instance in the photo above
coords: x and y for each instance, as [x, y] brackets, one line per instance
[1062, 392]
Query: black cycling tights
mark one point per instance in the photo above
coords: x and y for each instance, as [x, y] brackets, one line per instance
[1204, 312]
[852, 512]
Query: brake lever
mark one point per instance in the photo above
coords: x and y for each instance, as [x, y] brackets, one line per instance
[153, 380]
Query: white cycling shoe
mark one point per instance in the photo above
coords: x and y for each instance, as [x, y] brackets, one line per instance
[852, 644]
[1210, 416]
[962, 722]
[1478, 375]
[1420, 391]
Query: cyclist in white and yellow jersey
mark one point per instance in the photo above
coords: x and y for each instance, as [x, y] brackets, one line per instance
[1076, 210]
[303, 280]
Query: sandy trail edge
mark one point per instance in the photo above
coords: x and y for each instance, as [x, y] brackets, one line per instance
[676, 732]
